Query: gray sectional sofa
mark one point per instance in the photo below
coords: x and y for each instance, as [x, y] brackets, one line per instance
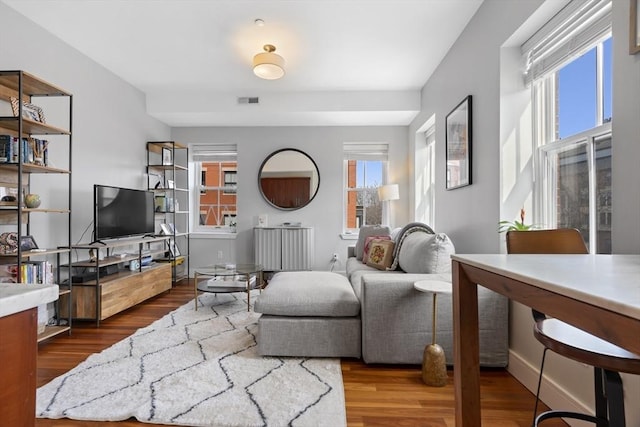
[396, 318]
[392, 324]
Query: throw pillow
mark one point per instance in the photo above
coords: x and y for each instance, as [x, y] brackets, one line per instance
[381, 254]
[368, 231]
[367, 245]
[413, 227]
[426, 253]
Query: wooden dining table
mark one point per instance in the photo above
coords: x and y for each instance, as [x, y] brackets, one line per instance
[599, 294]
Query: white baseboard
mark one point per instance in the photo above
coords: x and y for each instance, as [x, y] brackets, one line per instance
[554, 396]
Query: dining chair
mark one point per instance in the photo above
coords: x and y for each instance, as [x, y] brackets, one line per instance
[606, 359]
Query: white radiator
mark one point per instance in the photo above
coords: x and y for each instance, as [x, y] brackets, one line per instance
[284, 249]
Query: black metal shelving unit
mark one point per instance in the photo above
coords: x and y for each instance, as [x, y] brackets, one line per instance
[168, 177]
[24, 156]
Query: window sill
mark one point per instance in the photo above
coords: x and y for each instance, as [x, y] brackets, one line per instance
[349, 236]
[213, 235]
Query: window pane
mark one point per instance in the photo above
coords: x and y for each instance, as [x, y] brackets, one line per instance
[577, 95]
[368, 173]
[573, 190]
[363, 206]
[606, 81]
[603, 195]
[217, 202]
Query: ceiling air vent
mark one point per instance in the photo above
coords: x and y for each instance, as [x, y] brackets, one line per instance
[248, 100]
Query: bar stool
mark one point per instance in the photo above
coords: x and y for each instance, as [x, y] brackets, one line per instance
[606, 359]
[434, 364]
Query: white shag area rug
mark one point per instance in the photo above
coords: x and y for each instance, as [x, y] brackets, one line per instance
[198, 368]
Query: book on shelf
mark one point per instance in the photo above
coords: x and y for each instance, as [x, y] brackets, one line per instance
[33, 150]
[31, 272]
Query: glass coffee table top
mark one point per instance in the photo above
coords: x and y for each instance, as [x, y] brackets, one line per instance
[228, 278]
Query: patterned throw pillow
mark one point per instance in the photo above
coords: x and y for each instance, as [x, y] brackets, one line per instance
[380, 254]
[366, 231]
[367, 246]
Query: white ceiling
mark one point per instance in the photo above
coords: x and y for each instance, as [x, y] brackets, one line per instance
[348, 62]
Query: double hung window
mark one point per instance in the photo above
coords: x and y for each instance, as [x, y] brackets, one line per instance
[215, 192]
[365, 169]
[569, 69]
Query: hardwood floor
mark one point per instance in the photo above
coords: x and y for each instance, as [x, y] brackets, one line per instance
[375, 395]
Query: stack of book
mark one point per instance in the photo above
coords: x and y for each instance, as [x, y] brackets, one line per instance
[33, 272]
[33, 150]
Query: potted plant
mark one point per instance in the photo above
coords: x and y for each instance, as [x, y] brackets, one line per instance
[504, 226]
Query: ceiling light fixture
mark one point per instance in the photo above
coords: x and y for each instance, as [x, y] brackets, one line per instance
[268, 65]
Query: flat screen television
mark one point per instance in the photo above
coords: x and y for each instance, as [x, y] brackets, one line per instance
[122, 212]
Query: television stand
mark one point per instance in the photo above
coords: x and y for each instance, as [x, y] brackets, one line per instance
[101, 296]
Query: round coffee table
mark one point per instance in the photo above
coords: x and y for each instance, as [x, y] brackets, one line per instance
[434, 366]
[229, 278]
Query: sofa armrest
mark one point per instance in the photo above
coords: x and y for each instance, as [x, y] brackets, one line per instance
[396, 320]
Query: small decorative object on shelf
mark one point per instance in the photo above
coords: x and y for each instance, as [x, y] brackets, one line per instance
[167, 156]
[29, 111]
[8, 243]
[32, 201]
[28, 243]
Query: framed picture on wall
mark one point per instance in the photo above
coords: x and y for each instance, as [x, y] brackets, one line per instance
[634, 27]
[458, 145]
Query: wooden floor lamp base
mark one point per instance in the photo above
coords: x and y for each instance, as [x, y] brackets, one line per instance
[434, 367]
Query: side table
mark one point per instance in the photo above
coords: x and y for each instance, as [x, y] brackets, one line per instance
[434, 366]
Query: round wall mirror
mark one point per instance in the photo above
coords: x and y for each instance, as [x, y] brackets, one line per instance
[288, 179]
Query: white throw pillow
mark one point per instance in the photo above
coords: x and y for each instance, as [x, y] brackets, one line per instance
[426, 253]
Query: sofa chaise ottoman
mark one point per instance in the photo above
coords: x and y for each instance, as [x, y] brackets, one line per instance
[309, 314]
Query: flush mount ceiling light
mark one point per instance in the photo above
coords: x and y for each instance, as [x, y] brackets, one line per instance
[268, 65]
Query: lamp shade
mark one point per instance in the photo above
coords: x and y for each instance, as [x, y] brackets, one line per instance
[268, 65]
[388, 192]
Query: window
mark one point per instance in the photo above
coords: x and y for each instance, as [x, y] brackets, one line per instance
[365, 171]
[216, 191]
[426, 177]
[569, 66]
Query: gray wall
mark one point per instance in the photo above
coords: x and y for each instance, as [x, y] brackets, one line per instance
[110, 124]
[324, 213]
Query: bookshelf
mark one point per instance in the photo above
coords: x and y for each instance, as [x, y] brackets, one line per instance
[168, 177]
[25, 142]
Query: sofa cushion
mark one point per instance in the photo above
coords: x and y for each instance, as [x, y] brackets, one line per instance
[353, 266]
[308, 293]
[369, 231]
[367, 246]
[426, 253]
[380, 254]
[413, 227]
